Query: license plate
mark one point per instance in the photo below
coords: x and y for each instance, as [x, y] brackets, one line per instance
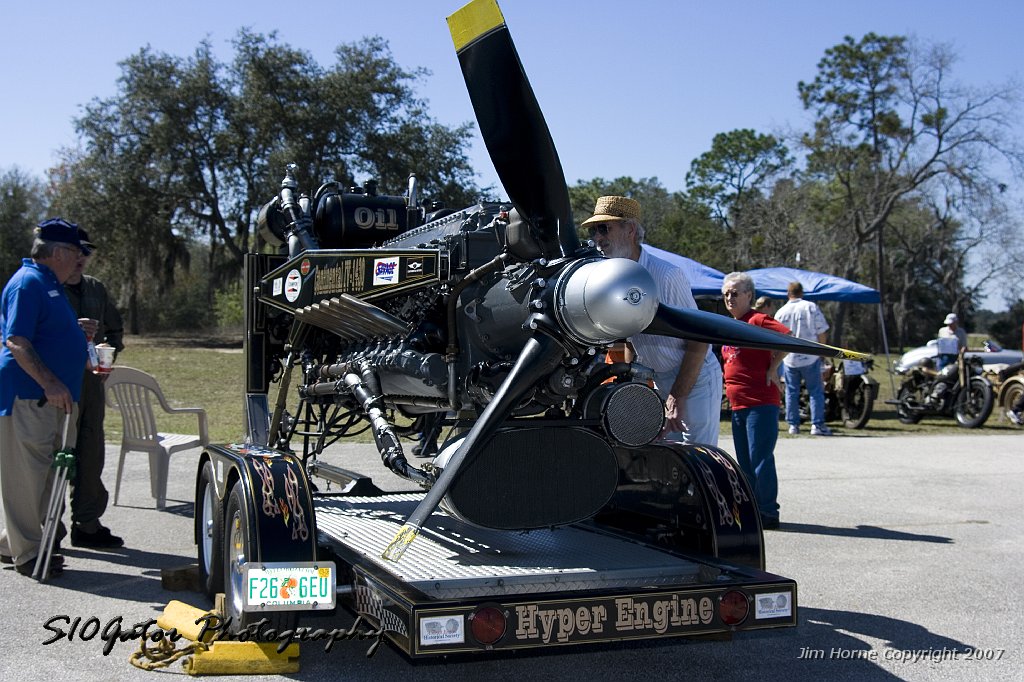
[293, 586]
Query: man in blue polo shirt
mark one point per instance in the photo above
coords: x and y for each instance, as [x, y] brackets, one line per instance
[42, 360]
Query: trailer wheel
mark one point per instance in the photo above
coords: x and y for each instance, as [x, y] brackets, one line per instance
[210, 533]
[239, 549]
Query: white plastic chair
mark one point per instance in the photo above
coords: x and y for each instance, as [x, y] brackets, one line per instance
[132, 391]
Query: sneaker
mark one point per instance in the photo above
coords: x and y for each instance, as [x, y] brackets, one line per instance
[770, 522]
[794, 430]
[101, 539]
[1015, 417]
[820, 430]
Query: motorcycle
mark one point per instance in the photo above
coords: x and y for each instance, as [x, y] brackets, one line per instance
[850, 394]
[958, 390]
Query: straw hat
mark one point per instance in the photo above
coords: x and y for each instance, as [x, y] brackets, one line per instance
[614, 208]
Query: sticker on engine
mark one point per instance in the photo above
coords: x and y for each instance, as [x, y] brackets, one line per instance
[773, 605]
[442, 630]
[292, 286]
[278, 286]
[385, 271]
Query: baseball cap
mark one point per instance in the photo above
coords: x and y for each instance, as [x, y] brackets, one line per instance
[60, 230]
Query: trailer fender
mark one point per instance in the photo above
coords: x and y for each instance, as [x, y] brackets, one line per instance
[278, 498]
[692, 498]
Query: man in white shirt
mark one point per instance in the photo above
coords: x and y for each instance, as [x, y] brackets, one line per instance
[687, 374]
[952, 330]
[805, 321]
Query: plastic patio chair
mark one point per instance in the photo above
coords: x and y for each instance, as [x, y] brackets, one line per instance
[132, 392]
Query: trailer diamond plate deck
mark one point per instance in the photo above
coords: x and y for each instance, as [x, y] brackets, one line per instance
[451, 559]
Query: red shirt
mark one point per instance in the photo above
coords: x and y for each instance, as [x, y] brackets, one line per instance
[746, 369]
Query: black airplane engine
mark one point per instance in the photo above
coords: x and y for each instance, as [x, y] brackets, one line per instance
[358, 218]
[336, 219]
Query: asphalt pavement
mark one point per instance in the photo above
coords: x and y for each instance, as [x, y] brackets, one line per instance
[907, 551]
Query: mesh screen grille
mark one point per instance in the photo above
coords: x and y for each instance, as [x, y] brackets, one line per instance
[634, 415]
[535, 477]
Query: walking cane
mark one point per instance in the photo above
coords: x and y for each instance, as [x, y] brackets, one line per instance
[64, 463]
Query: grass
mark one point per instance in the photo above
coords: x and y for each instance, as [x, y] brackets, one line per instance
[210, 374]
[206, 375]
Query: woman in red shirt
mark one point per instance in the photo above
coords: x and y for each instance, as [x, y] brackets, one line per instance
[752, 386]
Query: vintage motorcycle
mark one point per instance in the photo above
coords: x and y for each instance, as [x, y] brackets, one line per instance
[957, 390]
[850, 394]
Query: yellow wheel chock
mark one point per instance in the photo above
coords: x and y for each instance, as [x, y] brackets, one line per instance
[212, 656]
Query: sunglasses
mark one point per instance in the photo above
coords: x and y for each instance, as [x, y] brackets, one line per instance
[732, 294]
[601, 229]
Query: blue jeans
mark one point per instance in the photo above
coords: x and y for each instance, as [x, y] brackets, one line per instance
[755, 430]
[811, 375]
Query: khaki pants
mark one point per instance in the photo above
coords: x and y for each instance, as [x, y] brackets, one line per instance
[29, 437]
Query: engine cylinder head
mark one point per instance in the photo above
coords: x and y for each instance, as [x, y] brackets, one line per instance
[601, 300]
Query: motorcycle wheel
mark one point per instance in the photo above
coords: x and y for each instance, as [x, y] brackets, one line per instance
[903, 411]
[974, 404]
[857, 406]
[1009, 394]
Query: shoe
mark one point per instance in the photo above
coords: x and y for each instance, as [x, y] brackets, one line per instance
[794, 430]
[1015, 417]
[770, 522]
[101, 539]
[821, 430]
[29, 567]
[424, 451]
[54, 559]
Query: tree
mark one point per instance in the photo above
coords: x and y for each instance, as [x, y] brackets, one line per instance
[189, 149]
[891, 125]
[21, 209]
[737, 169]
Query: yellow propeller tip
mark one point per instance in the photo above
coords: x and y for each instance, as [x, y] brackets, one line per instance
[474, 20]
[394, 551]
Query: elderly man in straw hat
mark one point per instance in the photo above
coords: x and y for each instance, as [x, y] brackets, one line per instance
[687, 374]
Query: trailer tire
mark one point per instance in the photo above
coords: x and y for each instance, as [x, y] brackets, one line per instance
[239, 548]
[210, 533]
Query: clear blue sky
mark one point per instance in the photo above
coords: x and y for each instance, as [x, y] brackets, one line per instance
[635, 88]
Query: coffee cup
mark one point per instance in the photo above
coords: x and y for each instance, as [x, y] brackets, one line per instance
[106, 358]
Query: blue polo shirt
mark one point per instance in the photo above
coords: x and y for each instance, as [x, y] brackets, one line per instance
[34, 306]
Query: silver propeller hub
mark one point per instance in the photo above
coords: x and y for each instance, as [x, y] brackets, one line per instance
[601, 300]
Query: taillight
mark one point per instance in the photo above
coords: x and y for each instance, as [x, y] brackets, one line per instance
[487, 624]
[733, 607]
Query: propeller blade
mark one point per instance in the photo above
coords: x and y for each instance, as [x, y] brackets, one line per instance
[512, 125]
[705, 327]
[540, 355]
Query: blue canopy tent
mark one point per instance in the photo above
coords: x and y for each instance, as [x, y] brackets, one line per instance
[773, 282]
[704, 280]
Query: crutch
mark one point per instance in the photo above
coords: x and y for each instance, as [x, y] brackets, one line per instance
[64, 463]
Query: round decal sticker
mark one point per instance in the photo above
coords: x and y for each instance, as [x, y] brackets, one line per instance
[292, 286]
